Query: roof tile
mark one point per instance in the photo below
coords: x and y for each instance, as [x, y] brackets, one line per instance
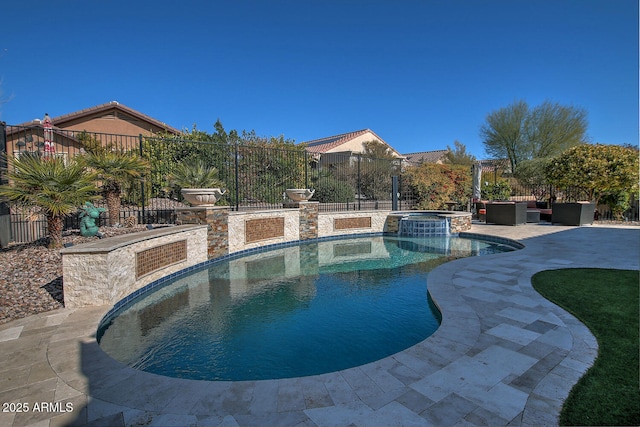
[57, 121]
[426, 156]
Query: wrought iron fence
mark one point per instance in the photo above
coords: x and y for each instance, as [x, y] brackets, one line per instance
[255, 175]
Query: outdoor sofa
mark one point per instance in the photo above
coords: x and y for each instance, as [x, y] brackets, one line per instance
[506, 213]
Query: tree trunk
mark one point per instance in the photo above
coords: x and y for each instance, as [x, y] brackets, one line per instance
[55, 225]
[113, 206]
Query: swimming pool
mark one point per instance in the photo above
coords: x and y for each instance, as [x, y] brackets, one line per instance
[298, 310]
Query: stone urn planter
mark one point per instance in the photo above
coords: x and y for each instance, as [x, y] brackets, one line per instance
[579, 213]
[202, 196]
[299, 194]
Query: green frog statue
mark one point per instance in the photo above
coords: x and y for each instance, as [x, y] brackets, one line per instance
[88, 215]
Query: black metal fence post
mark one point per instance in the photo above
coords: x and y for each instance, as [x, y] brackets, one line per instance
[237, 178]
[394, 193]
[359, 195]
[306, 170]
[5, 217]
[142, 203]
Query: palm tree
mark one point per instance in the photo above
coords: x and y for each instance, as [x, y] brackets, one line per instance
[195, 174]
[50, 185]
[113, 169]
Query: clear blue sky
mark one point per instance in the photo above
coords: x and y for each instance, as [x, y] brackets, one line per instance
[419, 73]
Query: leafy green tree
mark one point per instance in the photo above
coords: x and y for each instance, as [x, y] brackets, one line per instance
[599, 170]
[434, 185]
[164, 152]
[195, 174]
[113, 170]
[377, 150]
[458, 155]
[552, 128]
[500, 190]
[618, 202]
[378, 165]
[267, 166]
[91, 144]
[329, 189]
[503, 133]
[518, 133]
[531, 174]
[50, 185]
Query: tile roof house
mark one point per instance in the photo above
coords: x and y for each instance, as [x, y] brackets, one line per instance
[492, 165]
[435, 156]
[109, 119]
[112, 117]
[346, 143]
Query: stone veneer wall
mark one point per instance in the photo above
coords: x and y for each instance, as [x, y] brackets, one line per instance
[392, 224]
[296, 221]
[460, 222]
[341, 223]
[274, 227]
[103, 272]
[216, 218]
[309, 220]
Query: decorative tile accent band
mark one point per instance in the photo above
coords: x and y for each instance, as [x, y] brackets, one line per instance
[263, 229]
[153, 259]
[356, 222]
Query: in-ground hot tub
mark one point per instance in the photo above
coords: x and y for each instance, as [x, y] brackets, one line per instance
[428, 223]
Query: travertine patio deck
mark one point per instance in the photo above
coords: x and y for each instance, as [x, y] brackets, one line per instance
[502, 356]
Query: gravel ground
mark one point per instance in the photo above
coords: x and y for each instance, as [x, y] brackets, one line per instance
[31, 278]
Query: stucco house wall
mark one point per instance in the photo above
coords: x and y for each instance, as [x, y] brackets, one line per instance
[111, 118]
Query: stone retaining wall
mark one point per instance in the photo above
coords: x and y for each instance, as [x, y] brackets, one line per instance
[296, 221]
[105, 271]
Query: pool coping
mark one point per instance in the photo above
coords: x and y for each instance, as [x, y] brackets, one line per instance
[479, 367]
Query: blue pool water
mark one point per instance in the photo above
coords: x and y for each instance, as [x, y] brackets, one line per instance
[294, 311]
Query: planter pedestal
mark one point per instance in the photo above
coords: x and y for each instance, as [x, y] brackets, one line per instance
[217, 220]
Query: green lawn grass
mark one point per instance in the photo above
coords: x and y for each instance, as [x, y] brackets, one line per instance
[607, 302]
